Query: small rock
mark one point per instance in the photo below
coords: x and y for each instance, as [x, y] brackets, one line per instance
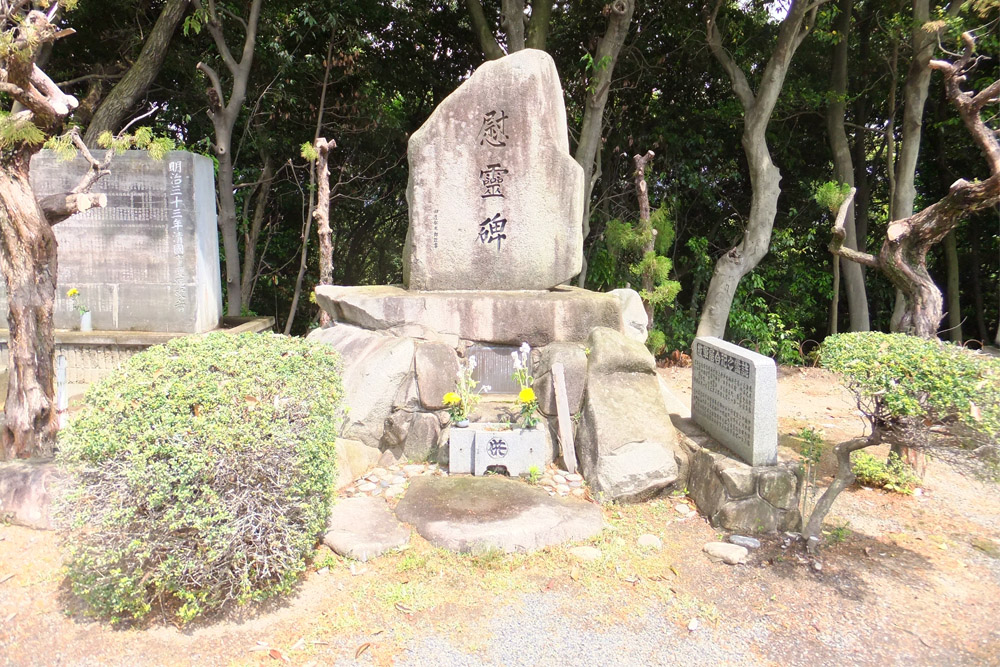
[731, 554]
[377, 492]
[367, 487]
[397, 479]
[559, 479]
[413, 469]
[748, 542]
[574, 477]
[585, 554]
[562, 472]
[575, 485]
[650, 541]
[562, 489]
[816, 565]
[578, 492]
[694, 625]
[387, 459]
[378, 472]
[394, 491]
[682, 509]
[384, 484]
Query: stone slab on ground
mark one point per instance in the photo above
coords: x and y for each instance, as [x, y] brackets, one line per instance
[495, 197]
[468, 514]
[364, 528]
[26, 492]
[496, 317]
[730, 554]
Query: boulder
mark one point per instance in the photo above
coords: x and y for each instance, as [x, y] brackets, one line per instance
[27, 489]
[751, 514]
[421, 442]
[634, 318]
[363, 528]
[731, 554]
[573, 357]
[495, 197]
[436, 366]
[376, 367]
[495, 317]
[354, 460]
[779, 487]
[626, 442]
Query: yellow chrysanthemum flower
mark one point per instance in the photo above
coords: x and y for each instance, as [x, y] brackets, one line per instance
[526, 395]
[451, 398]
[73, 292]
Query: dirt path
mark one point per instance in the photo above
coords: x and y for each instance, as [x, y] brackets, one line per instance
[900, 584]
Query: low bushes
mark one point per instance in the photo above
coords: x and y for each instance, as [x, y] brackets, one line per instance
[202, 473]
[897, 377]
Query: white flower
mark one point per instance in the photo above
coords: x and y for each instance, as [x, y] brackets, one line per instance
[487, 388]
[472, 362]
[525, 348]
[517, 360]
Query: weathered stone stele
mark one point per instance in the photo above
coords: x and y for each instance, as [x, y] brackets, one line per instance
[495, 198]
[149, 261]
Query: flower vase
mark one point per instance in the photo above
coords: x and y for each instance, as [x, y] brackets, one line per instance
[85, 322]
[462, 423]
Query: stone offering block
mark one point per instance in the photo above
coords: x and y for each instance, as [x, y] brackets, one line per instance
[150, 260]
[734, 397]
[477, 447]
[495, 198]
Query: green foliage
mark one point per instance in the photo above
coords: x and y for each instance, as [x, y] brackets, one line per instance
[830, 195]
[142, 139]
[656, 341]
[17, 129]
[811, 452]
[308, 151]
[201, 472]
[534, 474]
[896, 376]
[891, 475]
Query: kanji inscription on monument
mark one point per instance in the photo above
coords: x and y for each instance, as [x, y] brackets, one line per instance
[734, 398]
[150, 260]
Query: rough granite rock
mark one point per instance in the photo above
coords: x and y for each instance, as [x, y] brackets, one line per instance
[626, 442]
[634, 316]
[422, 440]
[26, 492]
[376, 366]
[354, 460]
[494, 195]
[573, 357]
[436, 366]
[363, 528]
[731, 554]
[467, 514]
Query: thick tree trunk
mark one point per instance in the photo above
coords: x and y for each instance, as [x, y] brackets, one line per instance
[227, 223]
[954, 300]
[645, 228]
[322, 214]
[538, 26]
[252, 235]
[116, 105]
[512, 22]
[854, 278]
[977, 288]
[608, 48]
[29, 269]
[764, 176]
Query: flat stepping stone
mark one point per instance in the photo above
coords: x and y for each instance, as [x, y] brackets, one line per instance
[363, 528]
[467, 514]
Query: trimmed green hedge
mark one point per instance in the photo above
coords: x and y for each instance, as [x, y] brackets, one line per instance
[917, 377]
[202, 472]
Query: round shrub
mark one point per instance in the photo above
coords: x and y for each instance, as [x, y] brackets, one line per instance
[201, 472]
[897, 376]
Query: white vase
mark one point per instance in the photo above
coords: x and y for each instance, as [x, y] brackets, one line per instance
[85, 322]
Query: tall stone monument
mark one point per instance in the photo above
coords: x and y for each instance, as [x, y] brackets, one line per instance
[496, 199]
[149, 261]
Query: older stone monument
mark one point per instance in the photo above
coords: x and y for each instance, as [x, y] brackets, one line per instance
[495, 197]
[734, 395]
[150, 260]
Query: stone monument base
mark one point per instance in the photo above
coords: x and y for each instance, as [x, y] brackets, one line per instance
[402, 353]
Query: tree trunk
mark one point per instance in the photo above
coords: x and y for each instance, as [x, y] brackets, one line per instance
[645, 229]
[512, 22]
[843, 478]
[322, 213]
[764, 176]
[252, 236]
[112, 112]
[605, 58]
[224, 115]
[29, 269]
[854, 279]
[538, 26]
[954, 303]
[227, 222]
[977, 288]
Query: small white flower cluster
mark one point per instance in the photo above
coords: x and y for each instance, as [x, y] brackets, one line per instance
[520, 357]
